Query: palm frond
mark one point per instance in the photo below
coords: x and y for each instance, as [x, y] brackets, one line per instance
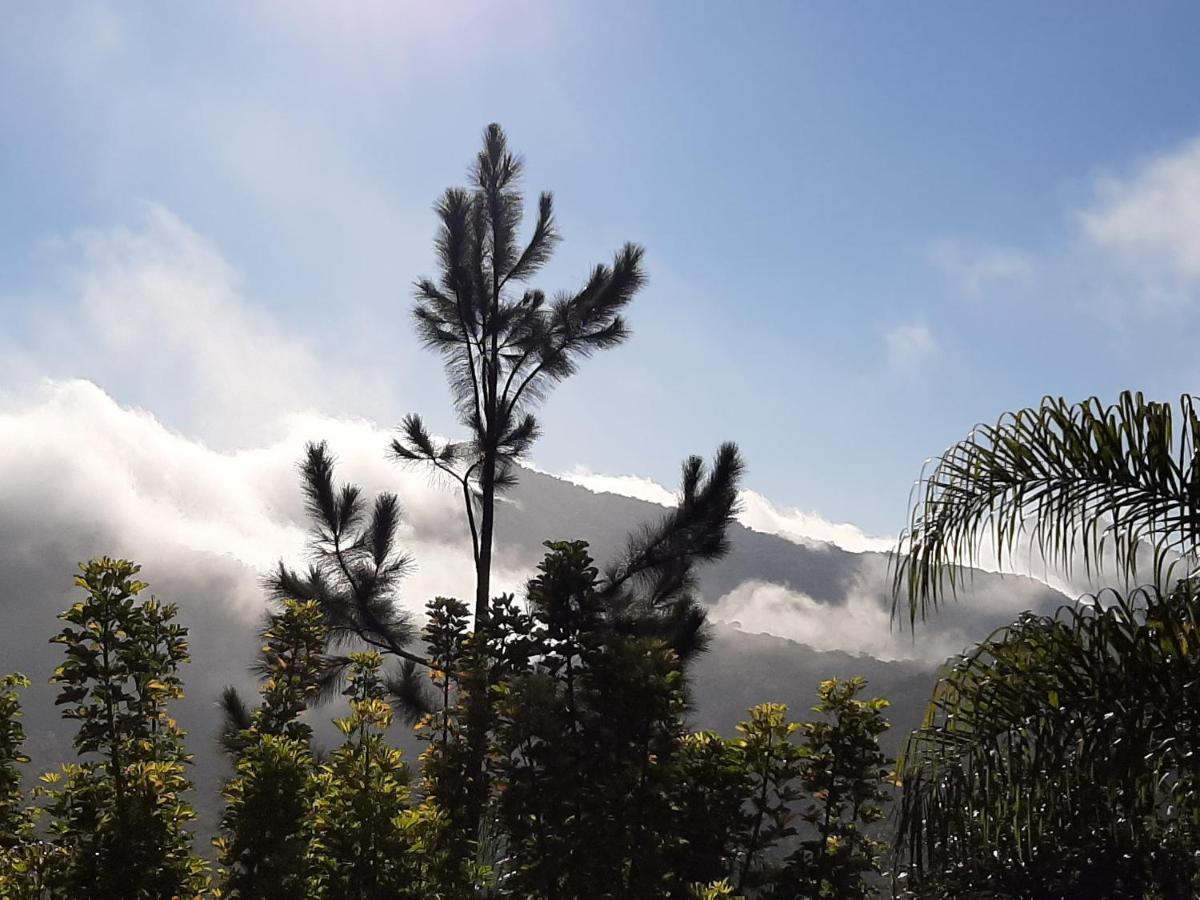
[1107, 484]
[1060, 745]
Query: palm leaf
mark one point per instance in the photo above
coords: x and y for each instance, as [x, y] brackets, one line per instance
[1063, 747]
[1080, 483]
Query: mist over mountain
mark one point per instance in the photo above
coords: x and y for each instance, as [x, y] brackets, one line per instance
[87, 477]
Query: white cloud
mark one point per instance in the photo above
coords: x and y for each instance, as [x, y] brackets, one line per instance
[1149, 221]
[161, 319]
[860, 624]
[623, 485]
[910, 346]
[1131, 246]
[860, 619]
[975, 268]
[760, 514]
[85, 476]
[757, 512]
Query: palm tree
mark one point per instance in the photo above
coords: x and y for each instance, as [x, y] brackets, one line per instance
[1062, 749]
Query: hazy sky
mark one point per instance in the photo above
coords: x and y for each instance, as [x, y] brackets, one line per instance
[869, 226]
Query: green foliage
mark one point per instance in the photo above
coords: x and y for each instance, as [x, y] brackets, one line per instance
[596, 790]
[1056, 756]
[356, 567]
[14, 817]
[445, 771]
[293, 664]
[714, 891]
[773, 763]
[588, 724]
[712, 784]
[1063, 752]
[601, 793]
[365, 836]
[120, 822]
[25, 860]
[844, 774]
[263, 848]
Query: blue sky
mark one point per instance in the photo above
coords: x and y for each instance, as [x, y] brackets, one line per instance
[868, 226]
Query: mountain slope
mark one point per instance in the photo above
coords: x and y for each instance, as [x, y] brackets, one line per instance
[85, 477]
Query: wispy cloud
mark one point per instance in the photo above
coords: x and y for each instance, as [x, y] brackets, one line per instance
[975, 267]
[624, 485]
[860, 620]
[158, 316]
[1147, 223]
[860, 624]
[760, 514]
[1132, 245]
[909, 347]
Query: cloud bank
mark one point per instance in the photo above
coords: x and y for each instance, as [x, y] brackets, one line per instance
[158, 316]
[84, 471]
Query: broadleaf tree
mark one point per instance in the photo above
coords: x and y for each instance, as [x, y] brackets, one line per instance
[118, 817]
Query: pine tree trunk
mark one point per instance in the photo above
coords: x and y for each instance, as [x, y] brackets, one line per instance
[483, 566]
[477, 705]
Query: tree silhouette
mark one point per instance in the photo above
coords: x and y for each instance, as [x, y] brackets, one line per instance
[354, 573]
[267, 801]
[503, 350]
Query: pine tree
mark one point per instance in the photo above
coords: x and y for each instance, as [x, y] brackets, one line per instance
[354, 577]
[589, 722]
[503, 348]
